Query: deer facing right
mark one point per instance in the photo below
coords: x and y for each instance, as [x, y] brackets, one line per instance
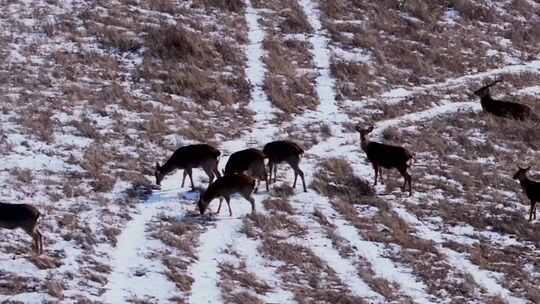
[13, 216]
[531, 189]
[386, 156]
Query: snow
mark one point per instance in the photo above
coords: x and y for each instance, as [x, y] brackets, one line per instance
[135, 274]
[484, 278]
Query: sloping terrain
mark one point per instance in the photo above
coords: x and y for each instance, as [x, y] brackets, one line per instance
[94, 93]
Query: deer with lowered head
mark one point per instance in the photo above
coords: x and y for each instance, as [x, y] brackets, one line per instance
[503, 108]
[386, 156]
[531, 189]
[250, 161]
[224, 187]
[13, 216]
[188, 157]
[284, 151]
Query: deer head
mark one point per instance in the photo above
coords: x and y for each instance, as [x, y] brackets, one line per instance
[159, 174]
[521, 172]
[484, 91]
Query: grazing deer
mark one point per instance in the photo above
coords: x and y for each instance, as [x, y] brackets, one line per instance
[503, 108]
[284, 151]
[188, 157]
[13, 216]
[531, 189]
[250, 161]
[224, 187]
[386, 156]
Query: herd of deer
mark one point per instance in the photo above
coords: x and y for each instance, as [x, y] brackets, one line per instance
[246, 169]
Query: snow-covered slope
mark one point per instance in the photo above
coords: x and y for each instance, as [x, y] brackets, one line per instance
[96, 93]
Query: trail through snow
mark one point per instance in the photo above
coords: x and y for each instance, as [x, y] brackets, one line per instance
[216, 239]
[134, 274]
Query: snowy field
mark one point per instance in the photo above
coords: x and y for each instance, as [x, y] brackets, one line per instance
[94, 94]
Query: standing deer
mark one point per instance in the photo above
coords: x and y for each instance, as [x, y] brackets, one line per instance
[13, 216]
[250, 161]
[531, 189]
[224, 187]
[188, 157]
[284, 151]
[503, 108]
[386, 156]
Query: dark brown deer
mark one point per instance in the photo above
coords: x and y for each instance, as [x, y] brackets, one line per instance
[503, 108]
[386, 156]
[531, 189]
[249, 161]
[188, 157]
[284, 151]
[226, 186]
[13, 216]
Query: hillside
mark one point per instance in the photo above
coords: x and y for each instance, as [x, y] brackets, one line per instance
[94, 93]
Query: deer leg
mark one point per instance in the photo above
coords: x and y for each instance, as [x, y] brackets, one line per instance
[275, 172]
[297, 171]
[251, 200]
[265, 176]
[381, 176]
[40, 240]
[190, 174]
[37, 241]
[209, 172]
[257, 185]
[184, 178]
[29, 229]
[216, 170]
[228, 200]
[534, 210]
[376, 169]
[406, 179]
[219, 206]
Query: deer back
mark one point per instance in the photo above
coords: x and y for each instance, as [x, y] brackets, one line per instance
[192, 156]
[387, 156]
[244, 160]
[281, 150]
[17, 215]
[228, 185]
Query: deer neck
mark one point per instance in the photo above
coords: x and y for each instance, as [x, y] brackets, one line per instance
[167, 167]
[363, 142]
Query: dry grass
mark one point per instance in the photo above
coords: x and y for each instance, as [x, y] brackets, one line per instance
[233, 6]
[295, 20]
[336, 178]
[239, 278]
[414, 46]
[179, 43]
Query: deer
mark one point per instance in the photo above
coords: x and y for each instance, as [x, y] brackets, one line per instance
[188, 157]
[288, 152]
[502, 108]
[531, 189]
[386, 156]
[26, 217]
[250, 161]
[225, 186]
